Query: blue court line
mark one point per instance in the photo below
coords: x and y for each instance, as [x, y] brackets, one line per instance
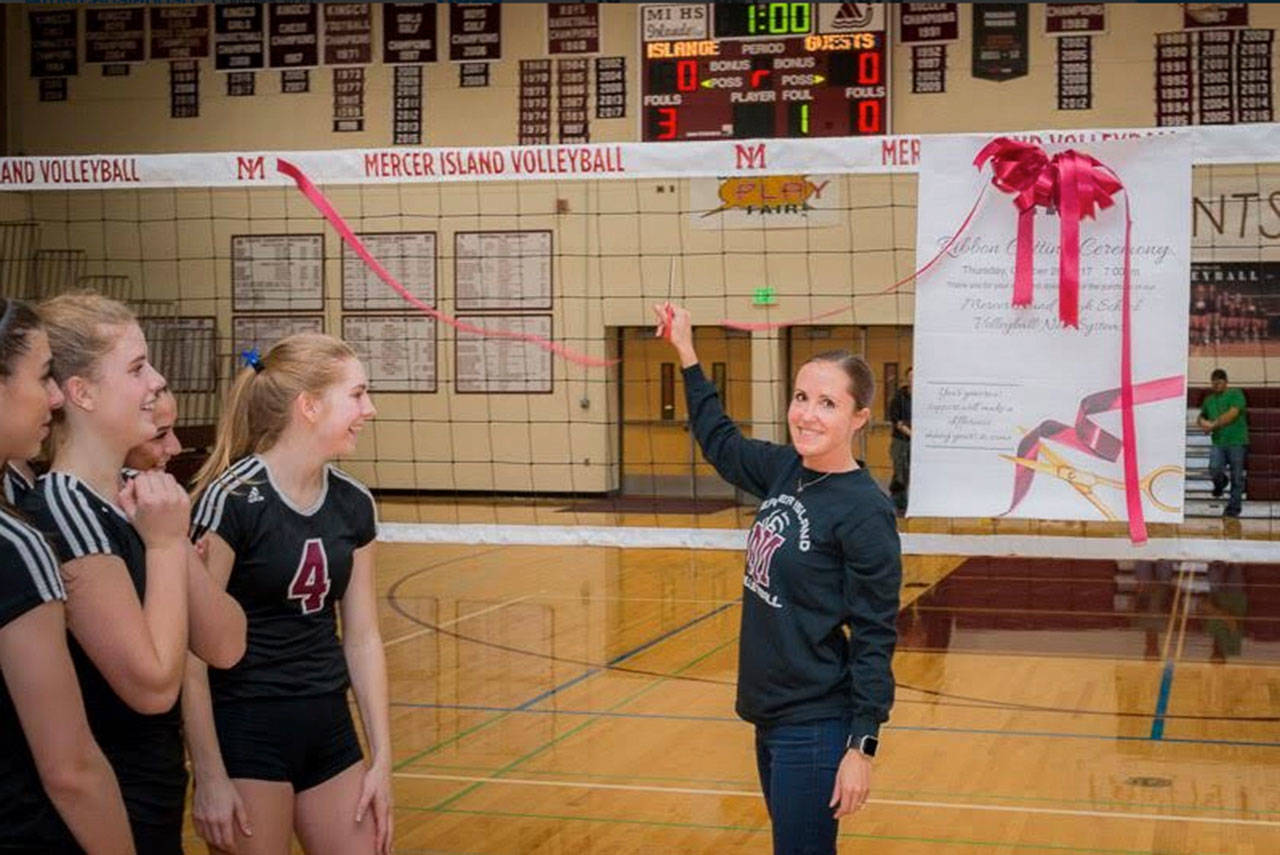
[635, 651]
[1162, 701]
[1050, 734]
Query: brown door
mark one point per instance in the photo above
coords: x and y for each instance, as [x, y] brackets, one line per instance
[660, 456]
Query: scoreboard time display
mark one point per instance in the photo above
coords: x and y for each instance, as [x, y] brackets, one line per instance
[745, 70]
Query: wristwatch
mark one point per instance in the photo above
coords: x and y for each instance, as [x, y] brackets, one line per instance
[866, 745]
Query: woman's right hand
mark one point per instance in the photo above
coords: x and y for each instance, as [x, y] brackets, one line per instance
[158, 507]
[216, 811]
[675, 324]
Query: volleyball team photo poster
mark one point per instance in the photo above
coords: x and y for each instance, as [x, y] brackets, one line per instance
[1016, 412]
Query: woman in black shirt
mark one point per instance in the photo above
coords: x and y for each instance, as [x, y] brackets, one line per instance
[820, 600]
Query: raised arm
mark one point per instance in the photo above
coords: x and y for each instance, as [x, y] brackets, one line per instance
[749, 464]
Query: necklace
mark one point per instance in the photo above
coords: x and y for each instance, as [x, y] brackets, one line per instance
[800, 485]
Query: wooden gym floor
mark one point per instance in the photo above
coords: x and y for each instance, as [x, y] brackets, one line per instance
[580, 700]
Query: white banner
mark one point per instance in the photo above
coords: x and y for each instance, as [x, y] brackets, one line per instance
[841, 155]
[990, 377]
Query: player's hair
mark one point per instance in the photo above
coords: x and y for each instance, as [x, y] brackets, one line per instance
[82, 328]
[862, 383]
[17, 321]
[1218, 374]
[258, 406]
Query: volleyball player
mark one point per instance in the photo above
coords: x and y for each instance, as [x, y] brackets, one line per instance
[157, 451]
[820, 592]
[292, 536]
[124, 558]
[56, 786]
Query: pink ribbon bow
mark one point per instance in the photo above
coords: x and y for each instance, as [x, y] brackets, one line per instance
[1074, 185]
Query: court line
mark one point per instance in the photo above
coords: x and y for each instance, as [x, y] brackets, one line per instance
[417, 633]
[551, 774]
[591, 672]
[574, 730]
[851, 835]
[911, 803]
[1048, 734]
[913, 543]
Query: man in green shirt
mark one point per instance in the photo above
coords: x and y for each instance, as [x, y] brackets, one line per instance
[1223, 416]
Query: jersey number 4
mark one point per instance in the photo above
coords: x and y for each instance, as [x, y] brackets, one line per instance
[311, 583]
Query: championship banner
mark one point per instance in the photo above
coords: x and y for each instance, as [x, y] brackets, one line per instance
[1252, 143]
[1020, 410]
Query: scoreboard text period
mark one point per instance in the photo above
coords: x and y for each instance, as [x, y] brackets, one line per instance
[750, 70]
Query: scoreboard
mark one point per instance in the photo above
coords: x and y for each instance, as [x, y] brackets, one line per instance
[744, 70]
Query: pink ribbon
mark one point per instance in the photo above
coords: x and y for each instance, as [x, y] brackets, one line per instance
[326, 209]
[1071, 183]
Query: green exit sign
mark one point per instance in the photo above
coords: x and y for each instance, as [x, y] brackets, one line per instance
[764, 297]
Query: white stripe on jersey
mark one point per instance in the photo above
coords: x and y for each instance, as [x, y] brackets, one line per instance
[39, 559]
[208, 515]
[13, 477]
[359, 486]
[76, 520]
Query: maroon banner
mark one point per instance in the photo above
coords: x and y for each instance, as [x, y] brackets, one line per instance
[475, 32]
[348, 33]
[571, 93]
[348, 100]
[611, 87]
[1075, 73]
[293, 39]
[409, 33]
[53, 44]
[928, 69]
[1201, 15]
[115, 35]
[407, 105]
[1073, 19]
[535, 102]
[184, 89]
[999, 41]
[573, 28]
[179, 32]
[238, 36]
[921, 23]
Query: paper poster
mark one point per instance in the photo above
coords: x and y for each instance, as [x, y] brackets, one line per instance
[408, 256]
[503, 270]
[774, 201]
[398, 351]
[262, 332]
[277, 273]
[496, 365]
[988, 374]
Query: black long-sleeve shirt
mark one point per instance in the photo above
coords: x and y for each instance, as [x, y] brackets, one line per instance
[824, 568]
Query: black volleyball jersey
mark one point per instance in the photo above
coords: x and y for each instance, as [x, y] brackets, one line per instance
[145, 751]
[28, 579]
[16, 485]
[292, 565]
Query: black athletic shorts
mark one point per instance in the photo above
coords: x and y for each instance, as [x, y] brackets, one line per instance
[305, 741]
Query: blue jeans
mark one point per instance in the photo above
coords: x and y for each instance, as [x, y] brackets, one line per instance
[797, 765]
[1221, 456]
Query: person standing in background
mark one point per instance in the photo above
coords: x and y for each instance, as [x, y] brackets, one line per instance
[900, 445]
[1223, 417]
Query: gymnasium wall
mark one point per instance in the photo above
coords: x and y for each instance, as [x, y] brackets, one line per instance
[613, 241]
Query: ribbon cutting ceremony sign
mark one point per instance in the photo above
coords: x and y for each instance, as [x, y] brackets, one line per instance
[1027, 367]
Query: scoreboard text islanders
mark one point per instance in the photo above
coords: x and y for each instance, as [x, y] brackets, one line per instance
[745, 70]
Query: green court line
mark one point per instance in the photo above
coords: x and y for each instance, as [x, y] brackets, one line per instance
[885, 791]
[590, 721]
[852, 835]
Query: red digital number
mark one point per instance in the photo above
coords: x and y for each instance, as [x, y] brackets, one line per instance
[870, 120]
[687, 75]
[869, 68]
[666, 124]
[311, 582]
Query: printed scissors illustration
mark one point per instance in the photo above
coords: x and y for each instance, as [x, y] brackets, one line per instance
[1085, 482]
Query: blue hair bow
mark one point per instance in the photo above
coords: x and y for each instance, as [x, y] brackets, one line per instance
[252, 359]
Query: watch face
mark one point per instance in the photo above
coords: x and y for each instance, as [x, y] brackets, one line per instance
[868, 745]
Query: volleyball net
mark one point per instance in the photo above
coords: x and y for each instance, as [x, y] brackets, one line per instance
[516, 374]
